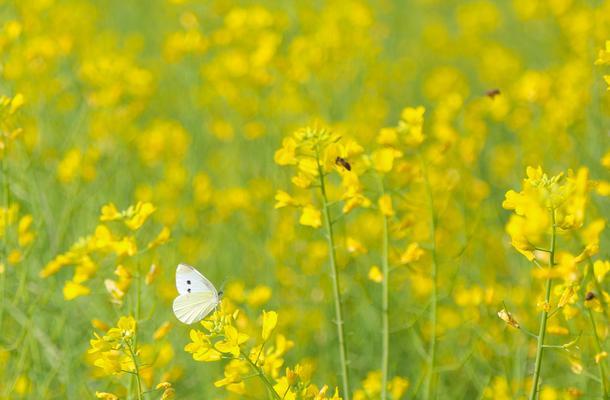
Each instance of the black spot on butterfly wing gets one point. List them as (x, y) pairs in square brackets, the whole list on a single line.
[(188, 290), (188, 282)]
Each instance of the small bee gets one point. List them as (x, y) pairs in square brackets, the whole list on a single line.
[(343, 162), (492, 93), (589, 296)]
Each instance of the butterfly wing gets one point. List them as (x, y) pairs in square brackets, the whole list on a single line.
[(189, 280), (193, 307), (197, 296)]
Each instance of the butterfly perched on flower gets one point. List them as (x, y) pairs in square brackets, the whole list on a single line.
[(197, 296)]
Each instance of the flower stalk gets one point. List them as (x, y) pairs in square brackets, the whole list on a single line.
[(133, 346), (334, 274), (434, 295), (601, 364), (136, 368), (385, 329), (261, 375), (545, 313), (598, 287), (6, 200)]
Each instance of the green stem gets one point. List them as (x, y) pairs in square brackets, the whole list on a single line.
[(136, 367), (544, 316), (138, 292), (262, 377), (385, 330), (601, 365), (335, 280), (4, 238), (599, 289), (135, 335), (434, 300), (286, 392)]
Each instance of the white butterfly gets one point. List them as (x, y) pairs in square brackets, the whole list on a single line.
[(197, 297)]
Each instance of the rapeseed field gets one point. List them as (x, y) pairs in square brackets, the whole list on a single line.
[(368, 199)]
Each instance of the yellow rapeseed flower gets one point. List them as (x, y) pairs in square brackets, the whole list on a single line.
[(160, 239), (383, 159), (110, 213), (397, 387), (385, 205), (232, 341), (136, 217), (168, 394), (73, 290), (311, 216), (411, 254), (286, 155), (162, 331), (375, 274), (600, 269), (354, 246), (269, 323), (284, 199), (201, 347), (106, 396)]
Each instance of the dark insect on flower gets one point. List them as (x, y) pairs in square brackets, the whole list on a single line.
[(589, 296), (343, 162), (492, 93)]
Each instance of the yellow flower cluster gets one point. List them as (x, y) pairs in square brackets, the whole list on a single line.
[(224, 337), (115, 352), (604, 59), (372, 384), (9, 126), (547, 209), (408, 272), (17, 234), (78, 164), (88, 252), (316, 152), (394, 140), (118, 352), (544, 201)]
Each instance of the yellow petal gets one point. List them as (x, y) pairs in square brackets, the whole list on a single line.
[(411, 254), (73, 290), (375, 274), (269, 323), (162, 331), (383, 159), (385, 205), (311, 216)]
